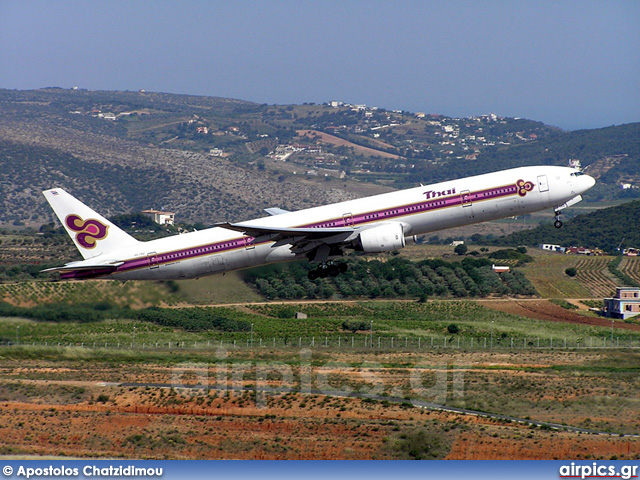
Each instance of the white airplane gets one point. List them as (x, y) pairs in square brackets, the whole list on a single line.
[(381, 223)]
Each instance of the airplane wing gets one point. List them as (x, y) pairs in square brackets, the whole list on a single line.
[(276, 211), (292, 233), (301, 240)]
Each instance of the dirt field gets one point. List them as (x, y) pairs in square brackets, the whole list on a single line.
[(78, 408), (339, 142), (544, 310)]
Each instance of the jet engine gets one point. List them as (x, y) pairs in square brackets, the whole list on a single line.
[(385, 238)]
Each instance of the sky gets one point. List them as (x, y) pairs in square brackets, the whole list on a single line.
[(572, 64)]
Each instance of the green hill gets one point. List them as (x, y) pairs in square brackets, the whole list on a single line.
[(603, 229), (212, 159)]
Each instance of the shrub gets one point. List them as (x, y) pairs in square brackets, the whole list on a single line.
[(460, 249), (572, 272), (355, 325)]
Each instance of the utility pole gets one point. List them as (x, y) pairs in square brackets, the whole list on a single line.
[(372, 333), (491, 344), (18, 335), (612, 331), (252, 335)]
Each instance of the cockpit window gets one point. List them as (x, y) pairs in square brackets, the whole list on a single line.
[(577, 174)]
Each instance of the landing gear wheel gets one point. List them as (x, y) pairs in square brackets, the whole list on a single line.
[(343, 267), (558, 222), (312, 275), (323, 272)]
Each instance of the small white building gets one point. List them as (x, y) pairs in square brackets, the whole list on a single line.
[(552, 247), (500, 268), (163, 218)]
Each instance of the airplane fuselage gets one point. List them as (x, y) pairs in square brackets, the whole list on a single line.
[(413, 211)]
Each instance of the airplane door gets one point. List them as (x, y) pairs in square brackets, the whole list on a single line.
[(348, 219), (248, 245), (465, 196), (543, 183), (467, 205), (153, 260)]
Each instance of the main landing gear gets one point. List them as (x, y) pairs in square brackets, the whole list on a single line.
[(325, 270), (558, 222)]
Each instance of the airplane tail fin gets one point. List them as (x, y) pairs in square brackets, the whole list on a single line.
[(92, 234)]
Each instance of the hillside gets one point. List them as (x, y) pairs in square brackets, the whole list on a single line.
[(603, 229), (212, 159)]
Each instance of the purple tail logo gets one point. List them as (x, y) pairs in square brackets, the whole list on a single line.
[(88, 231), (524, 187)]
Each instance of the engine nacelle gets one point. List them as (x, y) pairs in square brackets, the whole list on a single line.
[(385, 238)]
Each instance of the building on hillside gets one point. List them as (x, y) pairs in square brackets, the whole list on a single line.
[(552, 247), (624, 304), (163, 218), (500, 268), (583, 251)]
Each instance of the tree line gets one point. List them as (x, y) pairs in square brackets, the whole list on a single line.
[(395, 278)]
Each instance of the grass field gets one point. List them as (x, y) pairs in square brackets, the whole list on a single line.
[(631, 267), (407, 322), (134, 294), (547, 275)]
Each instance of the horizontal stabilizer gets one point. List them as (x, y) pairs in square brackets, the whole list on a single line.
[(81, 270), (79, 266)]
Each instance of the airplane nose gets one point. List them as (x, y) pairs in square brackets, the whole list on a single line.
[(586, 182)]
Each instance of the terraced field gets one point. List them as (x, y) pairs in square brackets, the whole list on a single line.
[(595, 276), (133, 294), (631, 267)]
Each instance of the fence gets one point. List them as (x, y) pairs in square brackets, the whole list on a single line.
[(362, 342)]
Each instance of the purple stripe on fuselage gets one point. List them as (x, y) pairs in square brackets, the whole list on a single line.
[(347, 221)]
